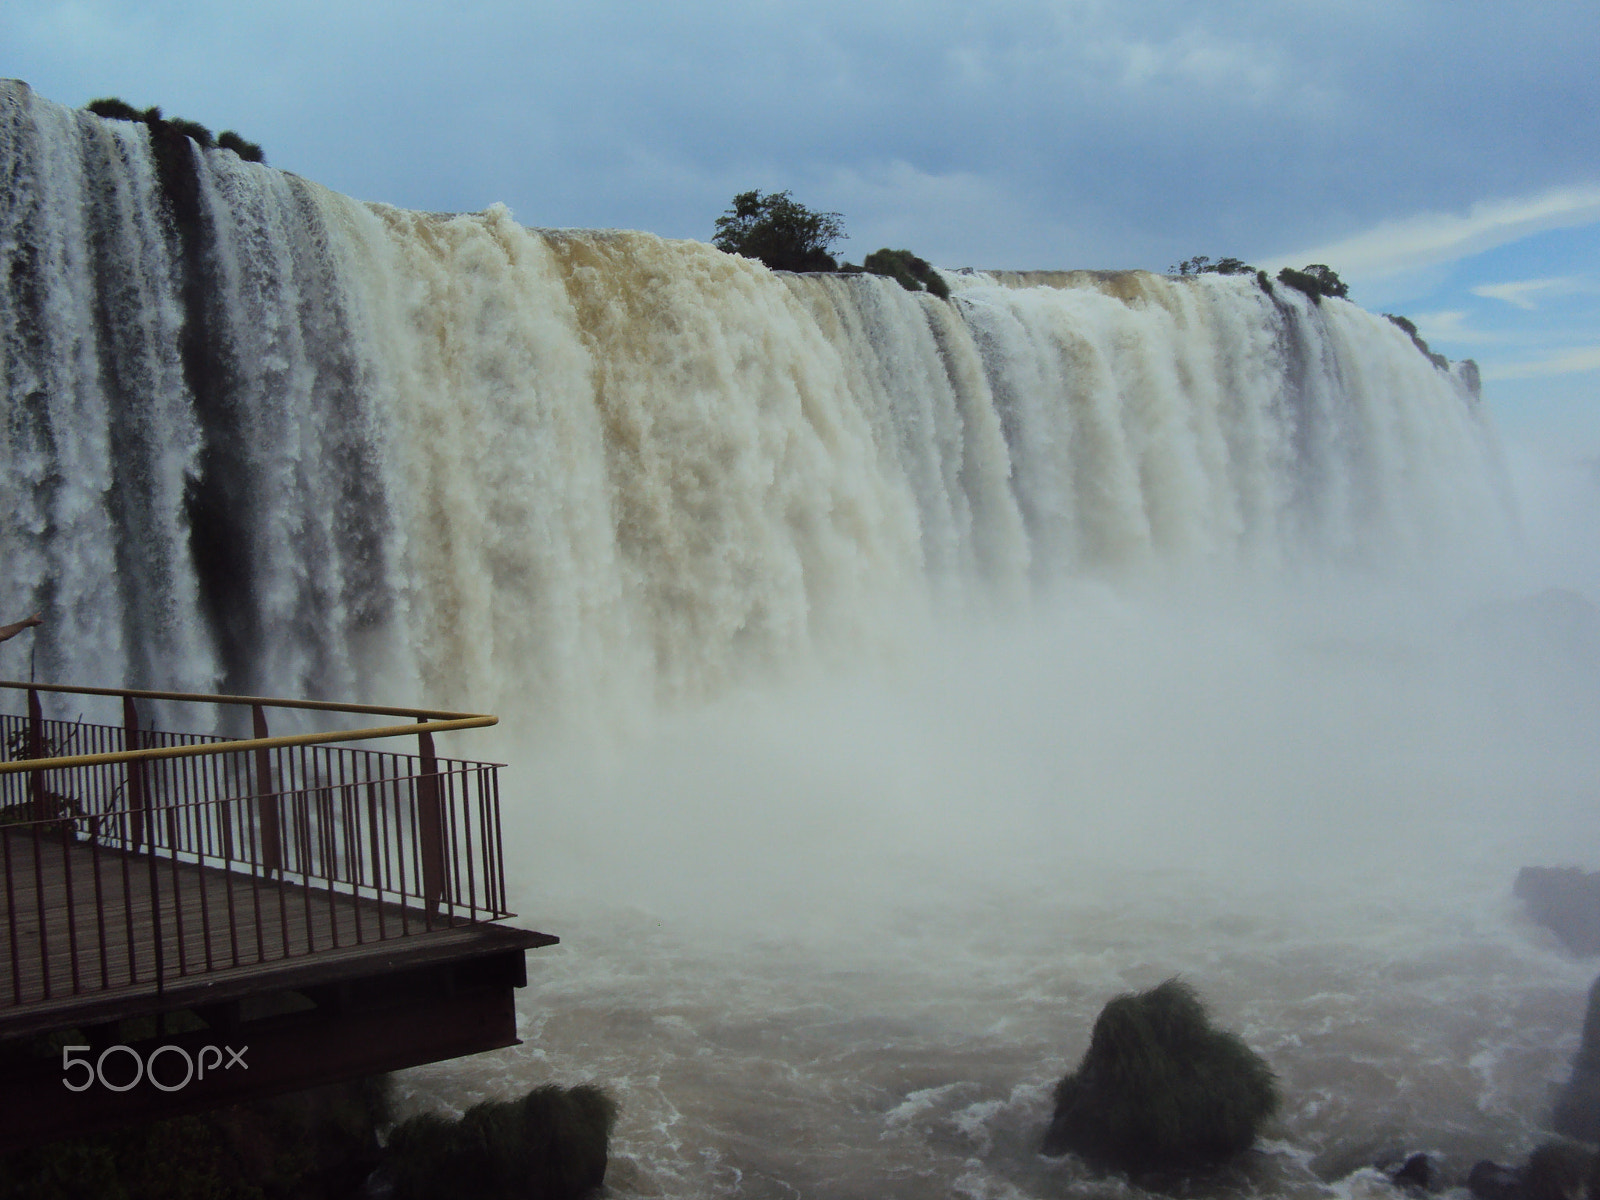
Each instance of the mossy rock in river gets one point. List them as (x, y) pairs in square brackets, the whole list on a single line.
[(550, 1145), (1159, 1087)]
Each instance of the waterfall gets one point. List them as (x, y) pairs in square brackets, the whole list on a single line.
[(260, 437)]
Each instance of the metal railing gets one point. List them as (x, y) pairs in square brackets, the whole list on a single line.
[(136, 856)]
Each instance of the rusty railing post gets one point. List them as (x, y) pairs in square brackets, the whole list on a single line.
[(430, 825), (36, 750), (138, 801), (267, 814)]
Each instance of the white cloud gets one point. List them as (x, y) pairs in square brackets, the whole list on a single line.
[(1566, 362), (1446, 326), (1428, 239), (1195, 62), (954, 219), (1521, 293), (1450, 325)]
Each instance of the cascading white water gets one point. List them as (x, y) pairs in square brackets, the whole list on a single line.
[(826, 929), (298, 444)]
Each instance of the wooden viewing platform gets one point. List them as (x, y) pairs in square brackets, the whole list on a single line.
[(197, 920)]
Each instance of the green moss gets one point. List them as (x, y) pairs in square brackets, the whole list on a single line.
[(1410, 329), (249, 151), (193, 129), (1159, 1087), (113, 109)]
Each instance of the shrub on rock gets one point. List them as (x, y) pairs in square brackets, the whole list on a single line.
[(780, 231), (249, 151), (111, 108), (1160, 1087), (550, 1145), (1317, 280), (905, 268)]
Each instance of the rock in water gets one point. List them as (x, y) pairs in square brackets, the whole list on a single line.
[(1160, 1087), (1577, 1112), (1491, 1181), (1566, 901), (1415, 1175), (1557, 1171), (550, 1145)]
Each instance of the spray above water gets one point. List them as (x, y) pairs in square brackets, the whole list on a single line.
[(890, 681)]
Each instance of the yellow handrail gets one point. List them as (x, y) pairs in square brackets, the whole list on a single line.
[(428, 721)]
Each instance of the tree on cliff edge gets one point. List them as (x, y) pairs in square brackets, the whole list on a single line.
[(782, 233)]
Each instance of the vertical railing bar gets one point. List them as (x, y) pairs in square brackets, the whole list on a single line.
[(280, 885), (302, 804), (472, 816), (127, 912), (202, 881), (218, 769), (253, 833), (491, 834), (159, 951), (349, 821), (267, 816), (225, 809), (485, 838), (404, 848), (38, 889), (309, 847), (333, 909), (36, 750), (315, 833), (72, 905), (490, 840), (452, 843), (418, 876), (499, 841), (377, 849), (100, 914), (177, 894), (393, 870), (429, 836), (466, 837), (350, 794), (387, 816), (194, 835), (11, 919)]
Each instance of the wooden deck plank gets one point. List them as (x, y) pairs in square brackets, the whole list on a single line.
[(247, 923)]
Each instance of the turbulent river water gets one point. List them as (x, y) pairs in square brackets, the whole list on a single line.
[(887, 682)]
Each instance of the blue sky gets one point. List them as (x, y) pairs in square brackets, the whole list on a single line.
[(1443, 155)]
